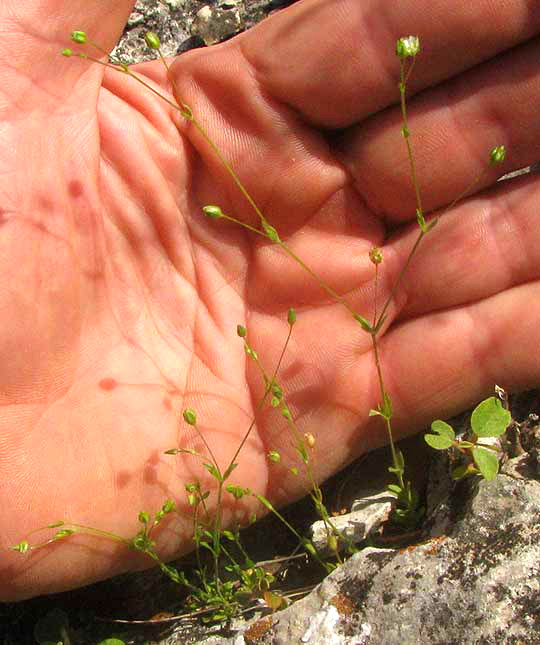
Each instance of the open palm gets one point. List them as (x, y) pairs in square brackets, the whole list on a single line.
[(119, 300)]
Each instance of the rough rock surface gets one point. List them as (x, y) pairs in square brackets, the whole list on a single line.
[(474, 580), (187, 24)]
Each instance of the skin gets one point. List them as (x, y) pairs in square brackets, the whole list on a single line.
[(119, 300)]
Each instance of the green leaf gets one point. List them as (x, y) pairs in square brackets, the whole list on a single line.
[(213, 471), (51, 627), (387, 406), (394, 489), (443, 438), (384, 410), (271, 232), (431, 225), (487, 462), (490, 418), (363, 323), (229, 470), (379, 324), (112, 641), (421, 219)]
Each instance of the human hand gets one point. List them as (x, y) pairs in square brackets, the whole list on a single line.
[(119, 301)]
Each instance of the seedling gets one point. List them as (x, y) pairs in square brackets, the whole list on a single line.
[(225, 596), (489, 419)]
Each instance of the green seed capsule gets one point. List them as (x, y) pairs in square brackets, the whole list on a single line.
[(79, 37), (497, 155), (291, 317), (375, 255), (241, 331), (190, 417), (152, 40), (212, 211)]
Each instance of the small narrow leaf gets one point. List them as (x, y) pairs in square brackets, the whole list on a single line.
[(271, 232), (363, 323)]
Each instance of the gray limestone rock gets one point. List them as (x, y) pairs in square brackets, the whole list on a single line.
[(186, 24), (474, 579)]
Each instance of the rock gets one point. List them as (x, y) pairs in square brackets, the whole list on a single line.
[(186, 24), (367, 514), (214, 24), (474, 579)]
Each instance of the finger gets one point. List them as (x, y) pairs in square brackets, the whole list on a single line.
[(453, 129), (442, 363), (337, 75), (486, 246), (34, 33)]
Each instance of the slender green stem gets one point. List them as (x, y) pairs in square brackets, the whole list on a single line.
[(401, 275), (375, 295), (321, 282), (406, 134), (264, 397)]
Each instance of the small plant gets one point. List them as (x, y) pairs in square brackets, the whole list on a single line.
[(489, 420), (223, 585)]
